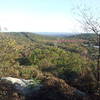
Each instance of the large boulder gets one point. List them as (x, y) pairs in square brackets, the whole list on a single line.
[(21, 86)]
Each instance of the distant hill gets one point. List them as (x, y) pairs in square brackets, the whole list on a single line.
[(84, 36), (58, 34), (35, 37), (26, 37), (92, 38)]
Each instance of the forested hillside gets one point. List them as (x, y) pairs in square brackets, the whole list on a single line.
[(37, 57)]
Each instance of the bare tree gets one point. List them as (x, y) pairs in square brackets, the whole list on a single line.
[(90, 23)]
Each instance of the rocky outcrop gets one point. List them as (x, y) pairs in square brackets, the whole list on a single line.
[(21, 86), (52, 88)]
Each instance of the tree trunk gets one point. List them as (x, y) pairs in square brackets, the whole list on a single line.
[(98, 64)]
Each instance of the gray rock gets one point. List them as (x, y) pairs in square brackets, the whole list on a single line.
[(22, 86)]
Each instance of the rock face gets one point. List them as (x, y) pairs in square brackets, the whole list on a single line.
[(22, 86)]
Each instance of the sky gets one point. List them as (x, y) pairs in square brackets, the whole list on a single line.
[(41, 15)]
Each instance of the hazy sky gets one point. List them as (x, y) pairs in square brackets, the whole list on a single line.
[(40, 15)]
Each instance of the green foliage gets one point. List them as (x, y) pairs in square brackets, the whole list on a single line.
[(26, 55), (8, 51), (35, 82), (57, 60)]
